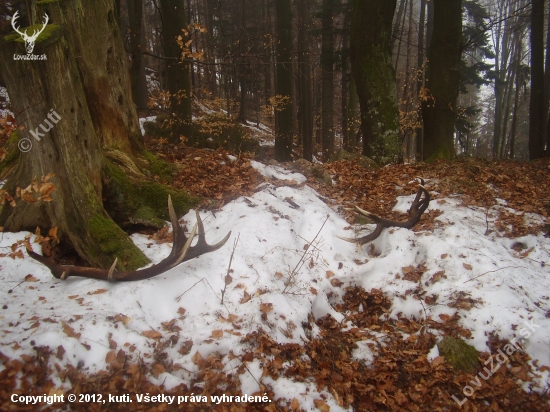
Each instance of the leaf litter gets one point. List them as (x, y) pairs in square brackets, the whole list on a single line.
[(361, 338)]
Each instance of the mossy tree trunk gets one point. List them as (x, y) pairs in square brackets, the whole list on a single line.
[(370, 51), (85, 82), (444, 56)]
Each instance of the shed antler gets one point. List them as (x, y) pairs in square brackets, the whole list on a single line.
[(181, 251), (418, 207)]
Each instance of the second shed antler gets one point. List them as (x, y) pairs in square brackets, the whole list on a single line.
[(181, 251), (419, 206)]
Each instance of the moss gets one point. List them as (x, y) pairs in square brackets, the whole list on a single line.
[(12, 156), (42, 2), (114, 242), (146, 216), (51, 33), (159, 167), (441, 152), (459, 354), (344, 155), (128, 200)]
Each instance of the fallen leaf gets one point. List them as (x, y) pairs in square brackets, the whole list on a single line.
[(266, 307), (69, 331)]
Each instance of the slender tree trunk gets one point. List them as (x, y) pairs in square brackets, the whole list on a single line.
[(345, 81), (440, 110), (371, 64), (536, 103), (242, 67), (283, 113), (177, 72), (421, 73), (304, 80), (327, 78), (137, 67)]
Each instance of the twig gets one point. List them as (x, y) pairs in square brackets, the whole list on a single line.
[(496, 270), (302, 260), (227, 279)]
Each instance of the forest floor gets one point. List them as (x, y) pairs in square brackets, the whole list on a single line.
[(359, 334)]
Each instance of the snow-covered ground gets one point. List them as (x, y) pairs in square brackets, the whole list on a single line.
[(272, 227)]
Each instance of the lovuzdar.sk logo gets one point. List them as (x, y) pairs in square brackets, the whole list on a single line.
[(29, 40)]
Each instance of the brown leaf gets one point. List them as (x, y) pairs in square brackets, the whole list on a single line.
[(197, 358), (69, 331), (122, 318), (152, 334), (157, 369), (330, 274), (444, 317), (279, 275), (266, 307), (438, 361), (313, 290), (246, 297), (30, 278), (228, 279), (186, 347), (181, 311), (467, 266), (110, 357), (336, 282), (217, 334), (46, 189), (97, 292), (53, 233), (321, 405)]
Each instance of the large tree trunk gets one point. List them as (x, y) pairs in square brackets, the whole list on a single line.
[(284, 127), (439, 110), (536, 103), (374, 75), (177, 71), (80, 118)]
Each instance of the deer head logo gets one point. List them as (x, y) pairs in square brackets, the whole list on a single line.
[(29, 40)]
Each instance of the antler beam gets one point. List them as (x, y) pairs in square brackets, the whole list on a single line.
[(182, 251), (416, 210)]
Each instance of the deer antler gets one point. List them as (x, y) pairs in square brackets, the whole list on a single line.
[(418, 207), (13, 19), (182, 251)]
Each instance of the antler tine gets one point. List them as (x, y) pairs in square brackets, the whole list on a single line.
[(13, 19), (181, 251), (110, 277), (416, 210)]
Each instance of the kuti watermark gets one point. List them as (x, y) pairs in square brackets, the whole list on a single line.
[(29, 40), (501, 359), (26, 144)]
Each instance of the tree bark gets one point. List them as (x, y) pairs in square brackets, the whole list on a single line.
[(421, 73), (177, 71), (137, 66), (304, 81), (372, 69), (283, 112), (79, 116), (327, 78), (439, 110), (536, 102)]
